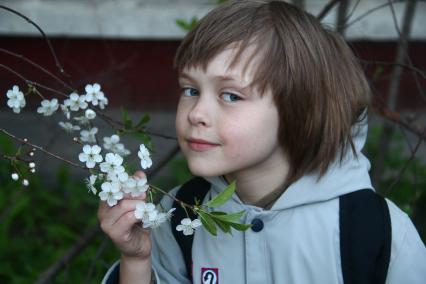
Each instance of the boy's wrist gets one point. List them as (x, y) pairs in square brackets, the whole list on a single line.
[(136, 270)]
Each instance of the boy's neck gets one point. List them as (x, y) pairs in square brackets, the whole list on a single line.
[(262, 186)]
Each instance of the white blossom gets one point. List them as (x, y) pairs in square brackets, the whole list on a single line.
[(68, 127), (161, 218), (66, 111), (90, 155), (146, 212), (188, 226), (144, 155), (47, 107), (76, 102), (31, 165), (90, 114), (112, 164), (16, 99), (89, 135), (95, 95), (112, 144), (119, 149), (90, 183), (135, 186), (82, 120), (15, 176), (103, 102), (25, 182), (110, 193), (118, 177)]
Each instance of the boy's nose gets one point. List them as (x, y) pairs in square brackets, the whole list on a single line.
[(198, 115)]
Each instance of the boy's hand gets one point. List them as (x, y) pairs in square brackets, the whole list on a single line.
[(121, 225)]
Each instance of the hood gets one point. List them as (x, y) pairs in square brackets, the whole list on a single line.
[(351, 174)]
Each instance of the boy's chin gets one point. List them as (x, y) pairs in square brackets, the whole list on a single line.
[(201, 171)]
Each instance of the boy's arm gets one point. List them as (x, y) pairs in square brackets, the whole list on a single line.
[(134, 270)]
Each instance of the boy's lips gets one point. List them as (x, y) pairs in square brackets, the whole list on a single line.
[(200, 145)]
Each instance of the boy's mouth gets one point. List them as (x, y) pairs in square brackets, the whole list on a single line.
[(200, 145)]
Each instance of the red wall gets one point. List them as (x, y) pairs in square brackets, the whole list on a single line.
[(139, 74)]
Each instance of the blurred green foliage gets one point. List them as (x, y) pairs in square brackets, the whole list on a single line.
[(39, 223), (407, 190)]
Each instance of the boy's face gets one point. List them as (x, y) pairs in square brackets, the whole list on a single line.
[(224, 127)]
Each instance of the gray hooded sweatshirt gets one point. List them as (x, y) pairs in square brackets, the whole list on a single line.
[(299, 241)]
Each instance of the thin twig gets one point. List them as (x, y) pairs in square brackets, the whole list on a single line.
[(99, 252), (404, 168), (385, 63), (32, 82), (360, 17), (396, 117), (37, 66), (41, 149), (119, 126), (411, 9), (327, 9), (350, 14), (58, 64)]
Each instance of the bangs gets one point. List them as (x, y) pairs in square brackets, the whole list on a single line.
[(238, 26)]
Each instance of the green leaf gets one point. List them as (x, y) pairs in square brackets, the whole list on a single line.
[(233, 217), (144, 139), (222, 197), (240, 227), (6, 144), (187, 25), (126, 119), (224, 226), (144, 120), (208, 223)]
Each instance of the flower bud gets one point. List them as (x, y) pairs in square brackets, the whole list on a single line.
[(31, 164), (25, 182), (32, 170), (15, 176), (90, 114), (31, 154)]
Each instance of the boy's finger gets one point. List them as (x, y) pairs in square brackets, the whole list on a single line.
[(142, 196), (140, 174), (112, 214), (124, 226)]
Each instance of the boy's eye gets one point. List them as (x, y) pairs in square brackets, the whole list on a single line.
[(229, 97), (189, 92)]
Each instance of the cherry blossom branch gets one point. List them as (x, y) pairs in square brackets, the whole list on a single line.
[(81, 244), (25, 141), (32, 82), (52, 51), (37, 66), (119, 126)]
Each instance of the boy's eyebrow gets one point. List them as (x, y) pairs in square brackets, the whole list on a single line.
[(184, 75)]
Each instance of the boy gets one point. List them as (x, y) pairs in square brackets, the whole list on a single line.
[(277, 103)]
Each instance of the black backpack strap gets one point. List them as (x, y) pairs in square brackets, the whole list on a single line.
[(365, 237), (194, 189)]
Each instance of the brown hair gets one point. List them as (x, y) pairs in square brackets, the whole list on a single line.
[(318, 86)]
